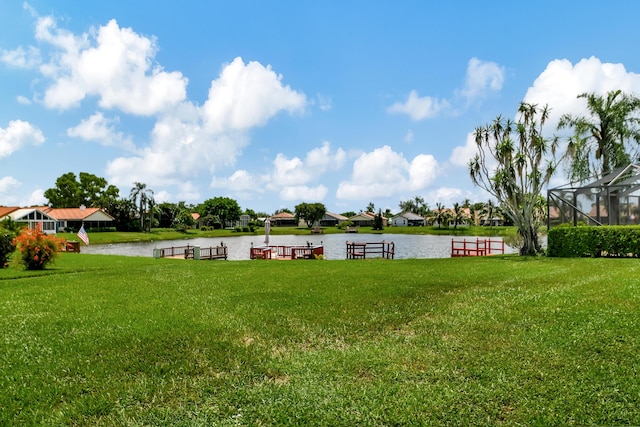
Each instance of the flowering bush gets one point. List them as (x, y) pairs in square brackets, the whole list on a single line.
[(36, 248)]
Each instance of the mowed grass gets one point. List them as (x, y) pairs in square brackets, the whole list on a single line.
[(109, 340)]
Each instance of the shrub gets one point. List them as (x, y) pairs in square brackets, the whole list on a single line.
[(37, 249), (6, 247), (345, 224), (611, 241)]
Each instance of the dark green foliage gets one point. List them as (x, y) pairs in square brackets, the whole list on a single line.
[(377, 221), (183, 221), (345, 224), (6, 247), (604, 139), (90, 190), (9, 229), (612, 241), (226, 210), (310, 212)]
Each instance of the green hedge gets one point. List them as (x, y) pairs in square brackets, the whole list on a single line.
[(612, 241)]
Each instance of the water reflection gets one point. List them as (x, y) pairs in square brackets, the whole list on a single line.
[(406, 246)]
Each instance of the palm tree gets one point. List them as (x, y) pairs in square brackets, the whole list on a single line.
[(459, 215), (371, 207), (441, 214), (601, 141), (140, 194), (489, 212)]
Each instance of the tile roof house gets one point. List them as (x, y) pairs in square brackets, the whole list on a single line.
[(331, 219), (365, 219), (283, 219), (52, 220), (74, 218), (33, 217)]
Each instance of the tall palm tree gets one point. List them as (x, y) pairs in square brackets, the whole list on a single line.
[(603, 140), (489, 212), (459, 215), (441, 214), (140, 195)]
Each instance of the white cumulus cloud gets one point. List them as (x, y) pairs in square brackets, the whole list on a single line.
[(247, 96), (383, 173), (462, 154), (113, 63), (7, 184), (36, 198), (419, 108), (192, 140), (18, 134), (483, 77), (99, 128), (561, 82)]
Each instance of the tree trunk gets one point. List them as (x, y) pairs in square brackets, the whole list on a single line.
[(530, 245)]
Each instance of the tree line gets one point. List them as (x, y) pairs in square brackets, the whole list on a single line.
[(513, 163)]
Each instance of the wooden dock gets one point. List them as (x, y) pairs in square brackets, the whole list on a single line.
[(71, 246), (478, 247), (287, 252), (193, 252), (362, 250)]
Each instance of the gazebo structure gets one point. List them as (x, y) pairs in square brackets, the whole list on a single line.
[(613, 199)]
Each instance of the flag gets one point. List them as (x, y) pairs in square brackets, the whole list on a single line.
[(83, 235)]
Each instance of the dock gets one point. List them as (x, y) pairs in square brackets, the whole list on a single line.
[(362, 250), (193, 252), (282, 252), (478, 247)]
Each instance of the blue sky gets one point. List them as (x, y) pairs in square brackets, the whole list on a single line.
[(277, 103)]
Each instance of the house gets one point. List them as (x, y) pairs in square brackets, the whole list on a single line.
[(283, 219), (74, 218), (365, 219), (332, 219), (407, 219), (33, 217)]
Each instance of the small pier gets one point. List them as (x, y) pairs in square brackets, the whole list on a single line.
[(71, 246), (287, 252), (362, 250), (478, 247), (193, 252)]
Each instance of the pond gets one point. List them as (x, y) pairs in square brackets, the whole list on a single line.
[(406, 245)]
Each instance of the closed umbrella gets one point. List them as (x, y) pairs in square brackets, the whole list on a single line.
[(267, 229)]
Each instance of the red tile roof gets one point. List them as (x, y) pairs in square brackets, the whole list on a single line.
[(71, 213), (6, 210)]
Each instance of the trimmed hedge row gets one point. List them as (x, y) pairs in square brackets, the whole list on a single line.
[(583, 241)]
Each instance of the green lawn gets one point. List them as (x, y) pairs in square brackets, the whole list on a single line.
[(109, 340)]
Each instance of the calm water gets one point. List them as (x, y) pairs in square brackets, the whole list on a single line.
[(406, 246)]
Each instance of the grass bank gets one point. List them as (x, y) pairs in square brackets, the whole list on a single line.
[(109, 340), (169, 234)]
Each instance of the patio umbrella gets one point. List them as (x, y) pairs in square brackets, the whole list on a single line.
[(267, 229)]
